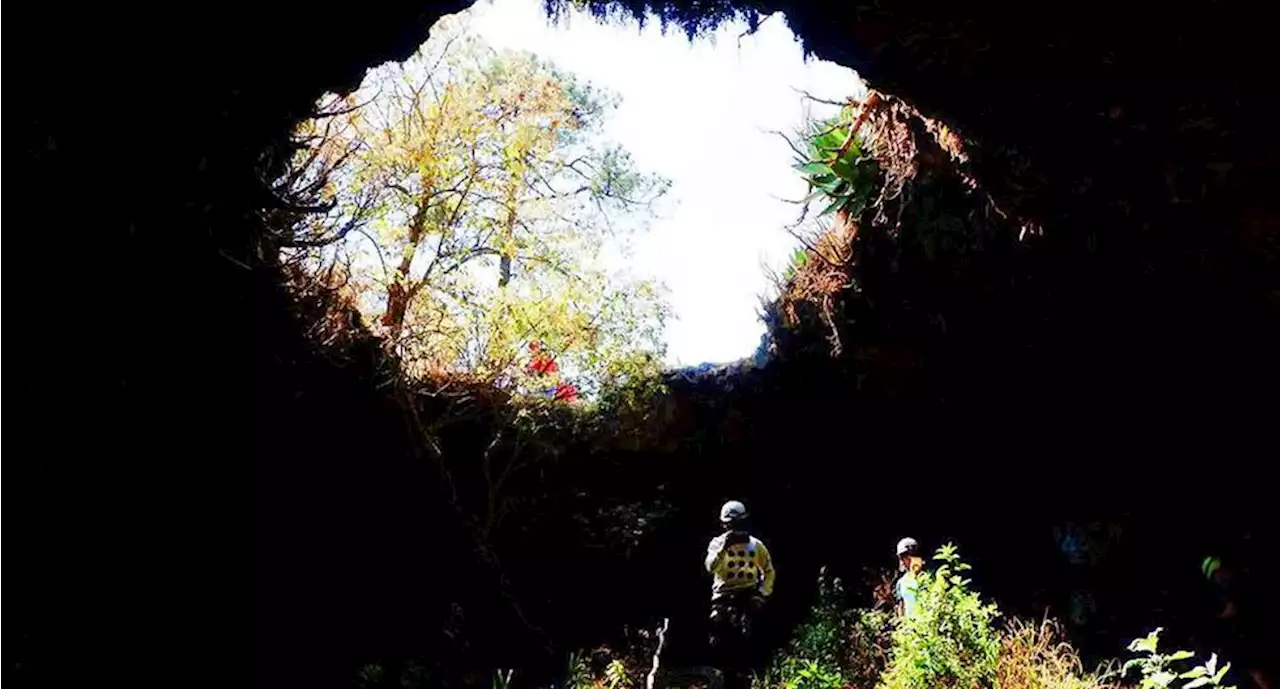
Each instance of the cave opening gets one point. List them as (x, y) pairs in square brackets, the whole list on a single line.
[(448, 199), (1114, 371), (526, 188), (922, 301)]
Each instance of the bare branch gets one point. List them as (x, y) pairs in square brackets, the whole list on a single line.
[(357, 220), (793, 202), (810, 96), (453, 219), (281, 204), (377, 249), (790, 144), (750, 31), (324, 113), (808, 245)]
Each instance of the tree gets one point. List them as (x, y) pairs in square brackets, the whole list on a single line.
[(485, 197)]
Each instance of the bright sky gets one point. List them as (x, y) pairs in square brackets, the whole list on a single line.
[(697, 113)]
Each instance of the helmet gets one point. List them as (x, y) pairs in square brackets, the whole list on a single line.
[(908, 546), (732, 511), (1210, 566)]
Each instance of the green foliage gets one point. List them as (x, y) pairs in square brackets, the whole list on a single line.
[(869, 640), (577, 671), (628, 386), (812, 659), (1157, 671), (799, 258), (834, 646), (616, 676), (370, 675), (834, 165), (821, 637), (950, 640), (478, 202), (812, 675)]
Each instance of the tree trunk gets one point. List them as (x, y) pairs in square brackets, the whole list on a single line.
[(397, 305), (508, 235), (399, 293), (504, 271)]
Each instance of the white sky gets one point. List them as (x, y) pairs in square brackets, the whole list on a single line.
[(697, 113)]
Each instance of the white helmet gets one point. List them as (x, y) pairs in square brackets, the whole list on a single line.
[(908, 546), (732, 511)]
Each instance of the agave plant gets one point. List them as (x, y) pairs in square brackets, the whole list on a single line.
[(834, 165), (799, 258)]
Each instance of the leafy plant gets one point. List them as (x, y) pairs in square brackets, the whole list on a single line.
[(812, 675), (502, 679), (577, 671), (821, 637), (835, 643), (370, 675), (615, 675), (1157, 669), (799, 258), (949, 641), (835, 166), (868, 642)]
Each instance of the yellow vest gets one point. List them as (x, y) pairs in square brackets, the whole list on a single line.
[(739, 567)]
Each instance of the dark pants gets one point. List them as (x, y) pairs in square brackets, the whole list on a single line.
[(1240, 642), (731, 621)]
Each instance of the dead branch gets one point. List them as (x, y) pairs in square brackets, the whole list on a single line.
[(810, 96), (790, 144), (324, 113), (812, 249), (869, 102), (834, 337)]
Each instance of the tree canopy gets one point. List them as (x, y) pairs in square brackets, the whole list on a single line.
[(471, 204)]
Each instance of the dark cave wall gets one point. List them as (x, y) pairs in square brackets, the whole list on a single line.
[(836, 481), (174, 416)]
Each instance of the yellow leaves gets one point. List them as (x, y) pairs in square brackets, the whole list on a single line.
[(477, 146), (509, 248)]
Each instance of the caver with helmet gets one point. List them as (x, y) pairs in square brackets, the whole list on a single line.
[(742, 580), (909, 565)]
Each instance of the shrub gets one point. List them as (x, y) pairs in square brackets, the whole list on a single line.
[(870, 639), (812, 675), (949, 641), (1034, 656), (835, 646), (821, 637), (811, 660), (1157, 669), (603, 668)]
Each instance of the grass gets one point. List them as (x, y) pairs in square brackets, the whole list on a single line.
[(1037, 656), (958, 640)]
